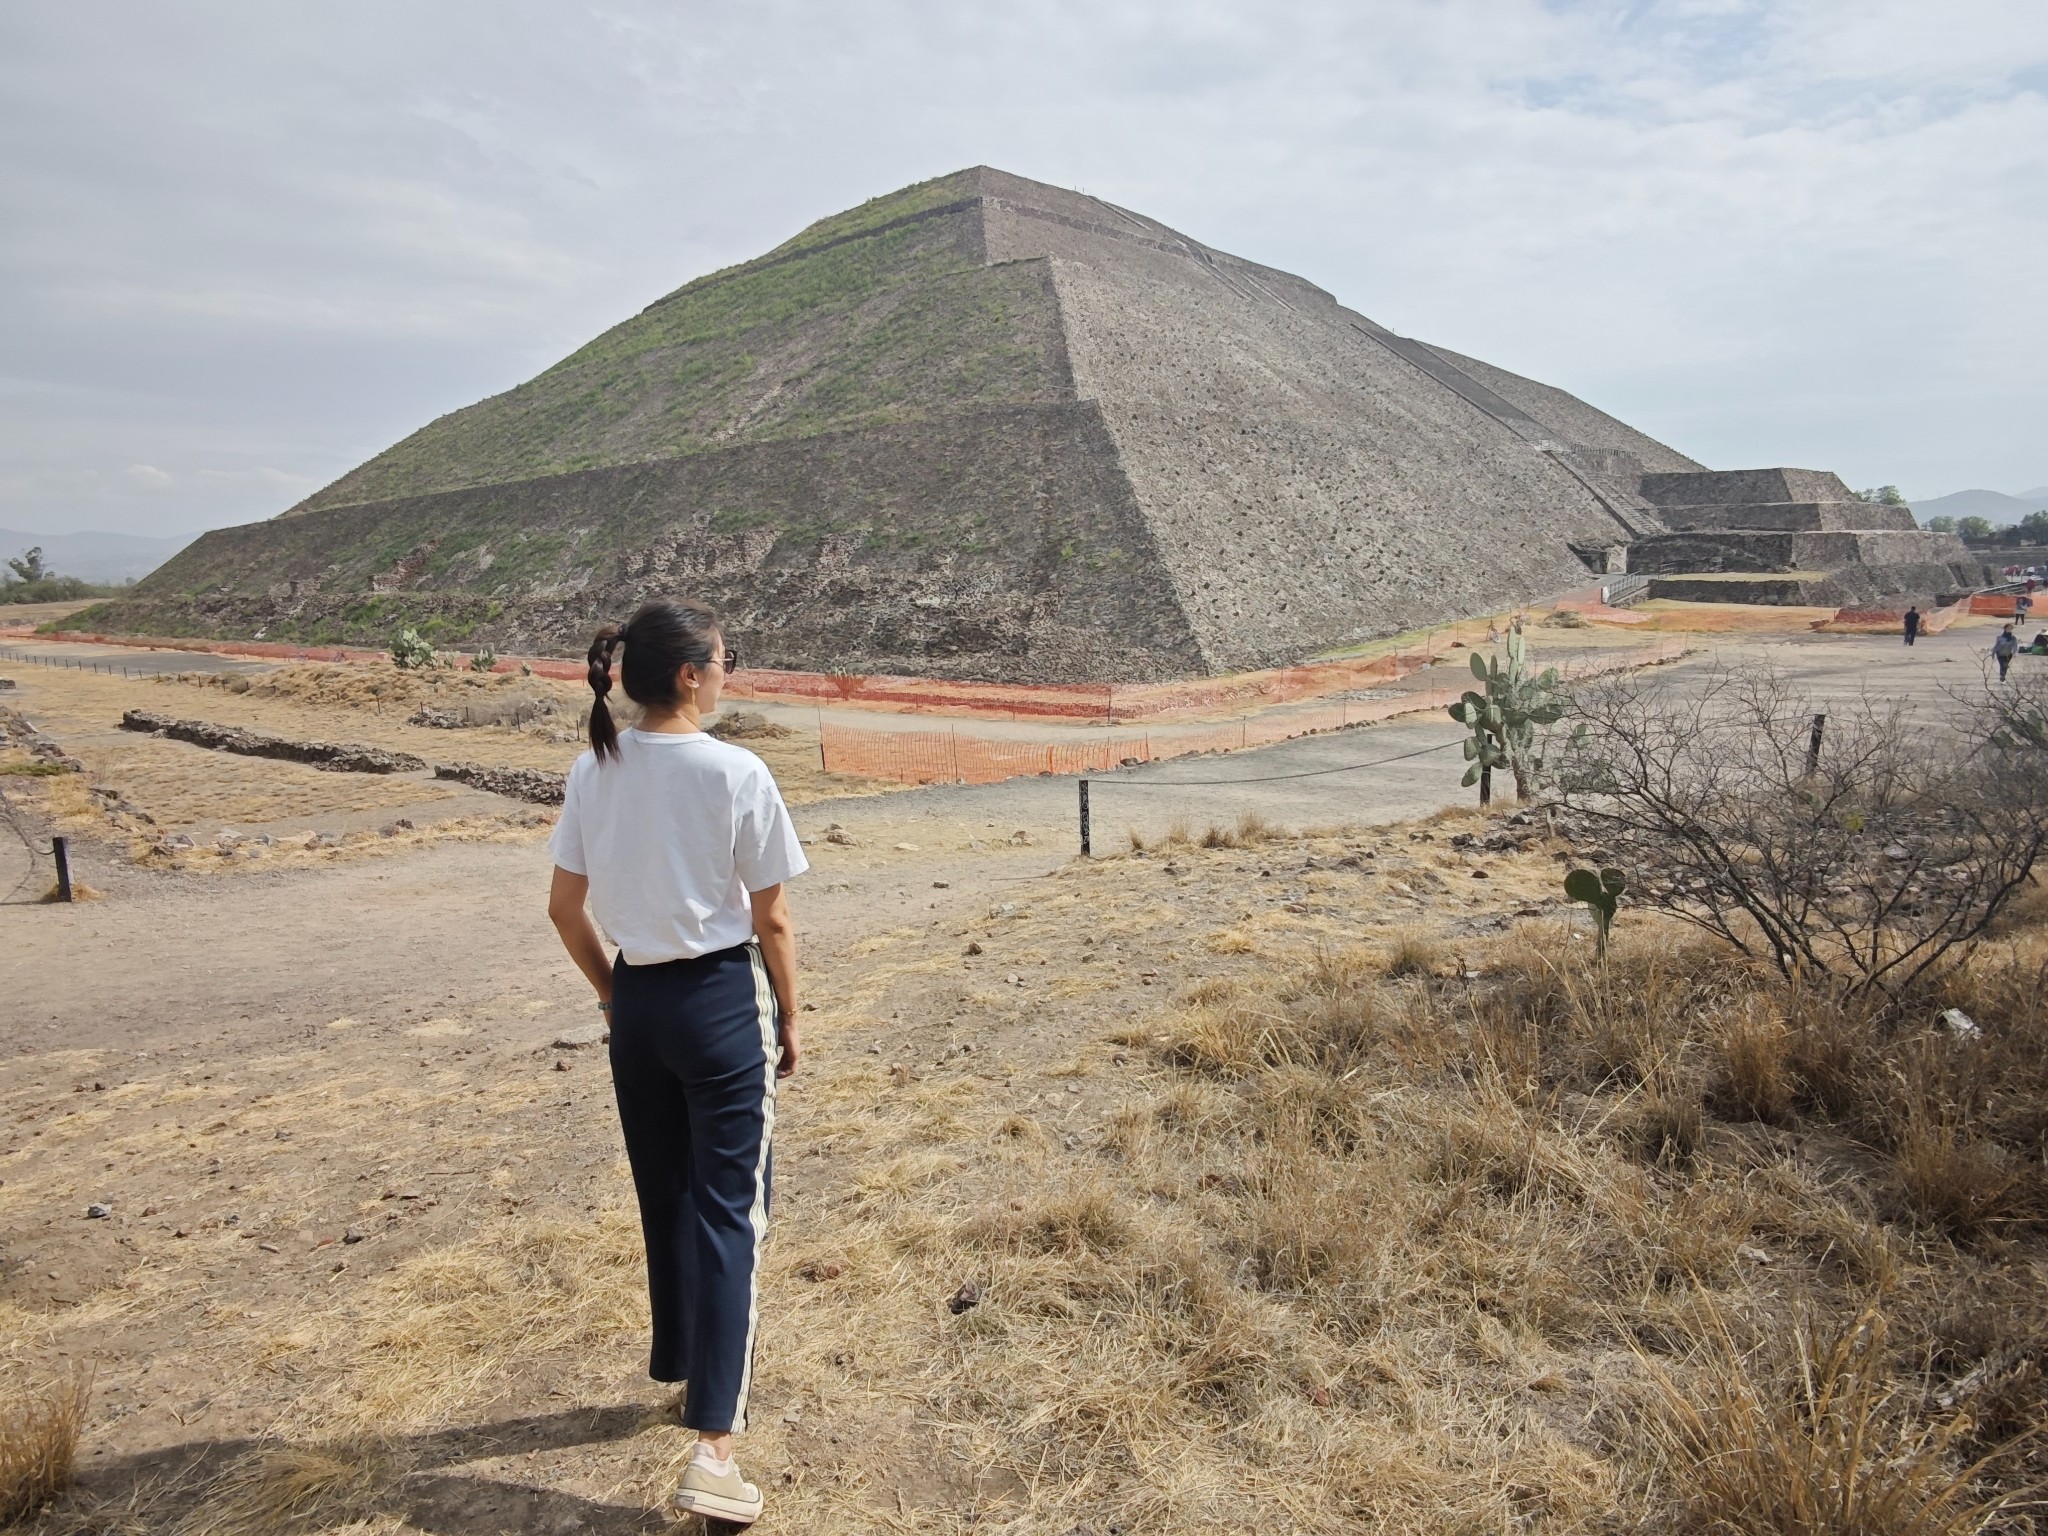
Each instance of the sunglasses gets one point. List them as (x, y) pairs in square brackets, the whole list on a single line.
[(730, 660)]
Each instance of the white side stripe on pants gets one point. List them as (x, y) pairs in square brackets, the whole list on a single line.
[(764, 1005)]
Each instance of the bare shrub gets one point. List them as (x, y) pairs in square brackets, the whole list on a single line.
[(1869, 865), (39, 1428), (1818, 1439)]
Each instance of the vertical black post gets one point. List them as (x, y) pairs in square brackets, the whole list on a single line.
[(62, 854), (1813, 744), (1085, 850)]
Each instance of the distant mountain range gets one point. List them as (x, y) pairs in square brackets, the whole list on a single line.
[(94, 557), (1998, 508)]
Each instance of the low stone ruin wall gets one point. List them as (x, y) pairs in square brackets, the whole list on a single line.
[(336, 757), (535, 784)]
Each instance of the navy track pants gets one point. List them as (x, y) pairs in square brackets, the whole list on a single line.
[(693, 1064)]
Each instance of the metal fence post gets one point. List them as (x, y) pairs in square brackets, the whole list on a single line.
[(1813, 744), (1085, 849), (62, 854)]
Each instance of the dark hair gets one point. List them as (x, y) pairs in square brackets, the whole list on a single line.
[(659, 640)]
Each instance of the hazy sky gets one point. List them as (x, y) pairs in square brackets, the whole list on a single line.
[(243, 247)]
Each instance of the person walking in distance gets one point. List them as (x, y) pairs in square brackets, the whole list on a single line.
[(2003, 649), (1912, 624), (681, 845)]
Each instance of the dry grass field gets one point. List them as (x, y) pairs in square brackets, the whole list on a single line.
[(518, 722), (1291, 1181)]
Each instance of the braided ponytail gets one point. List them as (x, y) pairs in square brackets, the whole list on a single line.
[(660, 640), (604, 734)]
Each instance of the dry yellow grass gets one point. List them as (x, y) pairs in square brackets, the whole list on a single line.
[(1813, 1435), (39, 1429), (1298, 1245)]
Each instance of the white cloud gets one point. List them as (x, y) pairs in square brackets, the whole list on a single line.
[(148, 476), (1769, 230)]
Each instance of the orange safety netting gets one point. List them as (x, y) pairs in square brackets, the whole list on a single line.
[(948, 757), (1081, 703)]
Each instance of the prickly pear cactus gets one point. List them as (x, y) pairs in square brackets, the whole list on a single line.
[(1601, 891), (1504, 718)]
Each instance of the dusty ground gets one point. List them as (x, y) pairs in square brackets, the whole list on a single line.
[(368, 1263)]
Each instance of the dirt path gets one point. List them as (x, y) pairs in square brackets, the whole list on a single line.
[(364, 1220)]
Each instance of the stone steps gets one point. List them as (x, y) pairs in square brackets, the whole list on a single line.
[(1791, 517)]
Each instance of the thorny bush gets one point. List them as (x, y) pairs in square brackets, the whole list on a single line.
[(1866, 868)]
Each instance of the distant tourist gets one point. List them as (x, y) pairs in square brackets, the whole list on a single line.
[(2039, 645), (1912, 624), (2004, 648), (2022, 606), (681, 844)]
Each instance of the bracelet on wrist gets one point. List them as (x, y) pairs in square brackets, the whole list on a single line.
[(604, 1006)]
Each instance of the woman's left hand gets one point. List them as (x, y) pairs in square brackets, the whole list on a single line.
[(785, 1036)]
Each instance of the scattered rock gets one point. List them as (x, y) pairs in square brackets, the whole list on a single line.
[(1753, 1255), (974, 947), (940, 885), (1960, 1025), (907, 848), (596, 1033), (965, 1299), (98, 1212), (561, 1063), (1896, 852), (842, 837), (352, 1235), (821, 1269), (1020, 838)]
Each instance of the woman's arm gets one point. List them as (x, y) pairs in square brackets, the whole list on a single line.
[(579, 933), (777, 934)]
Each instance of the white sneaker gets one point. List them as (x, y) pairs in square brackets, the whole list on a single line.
[(726, 1496)]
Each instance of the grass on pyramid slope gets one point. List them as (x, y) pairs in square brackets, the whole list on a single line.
[(830, 336)]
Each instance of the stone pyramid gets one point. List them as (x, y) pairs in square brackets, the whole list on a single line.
[(981, 427)]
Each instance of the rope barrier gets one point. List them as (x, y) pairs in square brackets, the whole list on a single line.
[(1275, 778)]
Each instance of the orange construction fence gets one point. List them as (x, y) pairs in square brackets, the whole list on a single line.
[(949, 757), (1080, 703)]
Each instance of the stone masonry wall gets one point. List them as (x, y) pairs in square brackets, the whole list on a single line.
[(1000, 544)]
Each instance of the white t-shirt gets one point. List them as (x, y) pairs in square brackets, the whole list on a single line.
[(673, 834)]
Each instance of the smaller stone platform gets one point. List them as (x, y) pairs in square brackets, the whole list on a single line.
[(1732, 530)]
